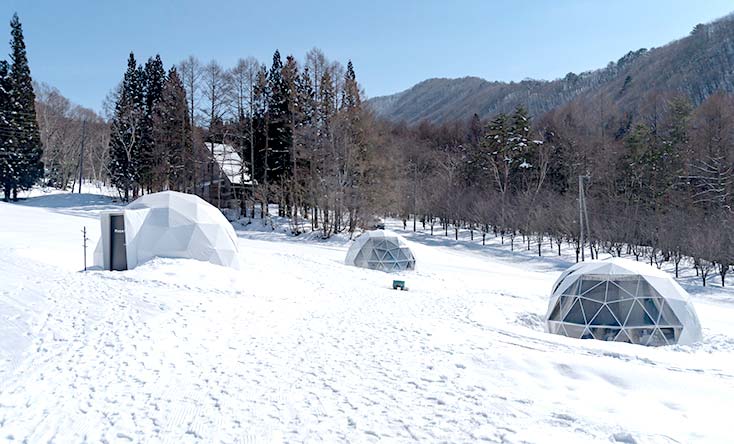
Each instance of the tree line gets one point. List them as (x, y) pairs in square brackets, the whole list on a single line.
[(661, 176), (660, 186), (306, 140), (150, 145)]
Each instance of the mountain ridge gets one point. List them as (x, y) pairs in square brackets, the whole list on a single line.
[(696, 65)]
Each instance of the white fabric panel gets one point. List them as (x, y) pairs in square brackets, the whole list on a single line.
[(134, 220), (172, 224), (100, 258)]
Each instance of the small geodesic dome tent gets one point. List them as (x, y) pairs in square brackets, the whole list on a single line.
[(167, 224), (381, 250), (624, 301)]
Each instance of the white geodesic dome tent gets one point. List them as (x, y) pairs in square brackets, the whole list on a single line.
[(381, 250), (170, 224), (624, 301)]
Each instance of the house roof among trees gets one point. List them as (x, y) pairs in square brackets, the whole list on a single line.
[(229, 162)]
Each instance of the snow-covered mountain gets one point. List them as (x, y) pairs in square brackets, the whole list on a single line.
[(297, 346)]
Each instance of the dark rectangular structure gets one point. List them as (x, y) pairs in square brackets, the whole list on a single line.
[(118, 249)]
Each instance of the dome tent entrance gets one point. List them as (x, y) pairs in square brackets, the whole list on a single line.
[(381, 250), (623, 301), (166, 224)]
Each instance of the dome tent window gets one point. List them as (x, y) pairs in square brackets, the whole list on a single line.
[(166, 224), (623, 301), (381, 250)]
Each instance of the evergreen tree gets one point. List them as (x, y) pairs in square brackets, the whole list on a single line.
[(173, 155), (127, 131), (6, 131), (279, 134), (498, 150), (350, 94), (306, 99), (155, 82), (519, 139), (26, 165), (152, 78)]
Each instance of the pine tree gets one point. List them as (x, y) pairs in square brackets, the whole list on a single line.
[(152, 79), (519, 138), (127, 132), (279, 136), (27, 166), (6, 131), (350, 93), (173, 156), (498, 150)]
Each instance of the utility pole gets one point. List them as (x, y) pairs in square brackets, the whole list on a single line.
[(415, 190), (81, 159), (586, 222), (583, 216)]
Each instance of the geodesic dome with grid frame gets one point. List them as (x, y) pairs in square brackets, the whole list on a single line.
[(624, 301), (381, 250)]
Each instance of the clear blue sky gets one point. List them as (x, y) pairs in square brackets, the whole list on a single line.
[(81, 47)]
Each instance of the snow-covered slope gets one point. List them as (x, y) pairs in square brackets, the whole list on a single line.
[(297, 346)]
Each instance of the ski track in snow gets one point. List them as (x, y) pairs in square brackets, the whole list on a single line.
[(299, 347)]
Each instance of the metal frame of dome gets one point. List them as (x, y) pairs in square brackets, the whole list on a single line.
[(623, 301), (381, 250)]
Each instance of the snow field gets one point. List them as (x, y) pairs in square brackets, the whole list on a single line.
[(299, 347)]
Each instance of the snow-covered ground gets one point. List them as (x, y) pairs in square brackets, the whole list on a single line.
[(297, 346)]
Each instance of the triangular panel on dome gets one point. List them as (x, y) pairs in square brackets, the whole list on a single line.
[(638, 317), (555, 327), (574, 331), (588, 285), (651, 307), (645, 290), (605, 317), (671, 334), (573, 289), (177, 218), (629, 286), (622, 337), (657, 339), (591, 308), (667, 317), (615, 292), (575, 314), (587, 334), (566, 302), (556, 312)]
